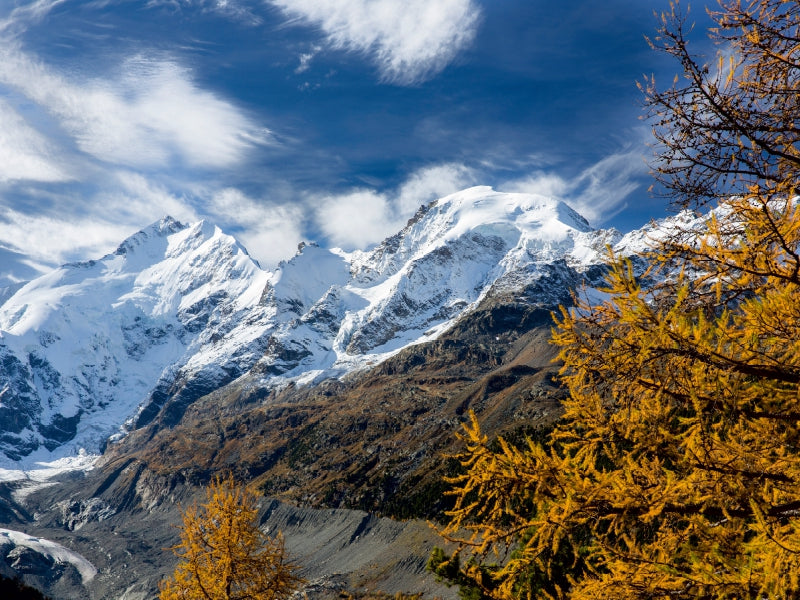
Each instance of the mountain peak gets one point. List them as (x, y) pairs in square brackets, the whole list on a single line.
[(529, 226), (160, 229), (506, 215), (168, 223), (181, 309)]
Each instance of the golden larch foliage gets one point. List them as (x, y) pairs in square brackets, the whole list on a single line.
[(225, 556), (675, 470)]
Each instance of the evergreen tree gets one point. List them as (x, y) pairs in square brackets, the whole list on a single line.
[(675, 470), (224, 556)]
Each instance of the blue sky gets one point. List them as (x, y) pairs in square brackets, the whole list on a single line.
[(324, 120)]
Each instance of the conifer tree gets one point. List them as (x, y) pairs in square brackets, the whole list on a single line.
[(223, 554), (675, 470)]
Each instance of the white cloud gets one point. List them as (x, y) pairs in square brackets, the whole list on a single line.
[(79, 229), (357, 219), (25, 14), (54, 239), (25, 154), (269, 232), (598, 193), (306, 58), (151, 115), (15, 267), (410, 40), (363, 217), (232, 9), (429, 184), (136, 200), (82, 228)]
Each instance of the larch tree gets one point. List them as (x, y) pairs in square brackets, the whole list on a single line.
[(225, 556), (675, 469)]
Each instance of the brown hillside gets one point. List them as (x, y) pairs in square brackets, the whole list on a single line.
[(379, 439)]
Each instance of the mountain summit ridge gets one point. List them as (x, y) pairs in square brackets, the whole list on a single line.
[(95, 349), (82, 346)]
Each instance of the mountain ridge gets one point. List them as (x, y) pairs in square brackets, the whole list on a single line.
[(364, 365), (179, 310)]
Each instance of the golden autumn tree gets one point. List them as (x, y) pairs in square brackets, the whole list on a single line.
[(675, 470), (225, 556)]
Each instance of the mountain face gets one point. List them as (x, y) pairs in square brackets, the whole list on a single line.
[(334, 385), (85, 345), (100, 348)]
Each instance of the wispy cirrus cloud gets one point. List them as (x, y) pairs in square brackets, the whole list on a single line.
[(151, 114), (60, 237), (306, 58), (131, 145), (409, 40), (75, 227), (238, 10), (361, 217), (26, 154), (23, 15), (598, 192)]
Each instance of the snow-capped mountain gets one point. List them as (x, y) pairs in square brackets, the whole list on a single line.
[(366, 306), (84, 345), (179, 310)]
